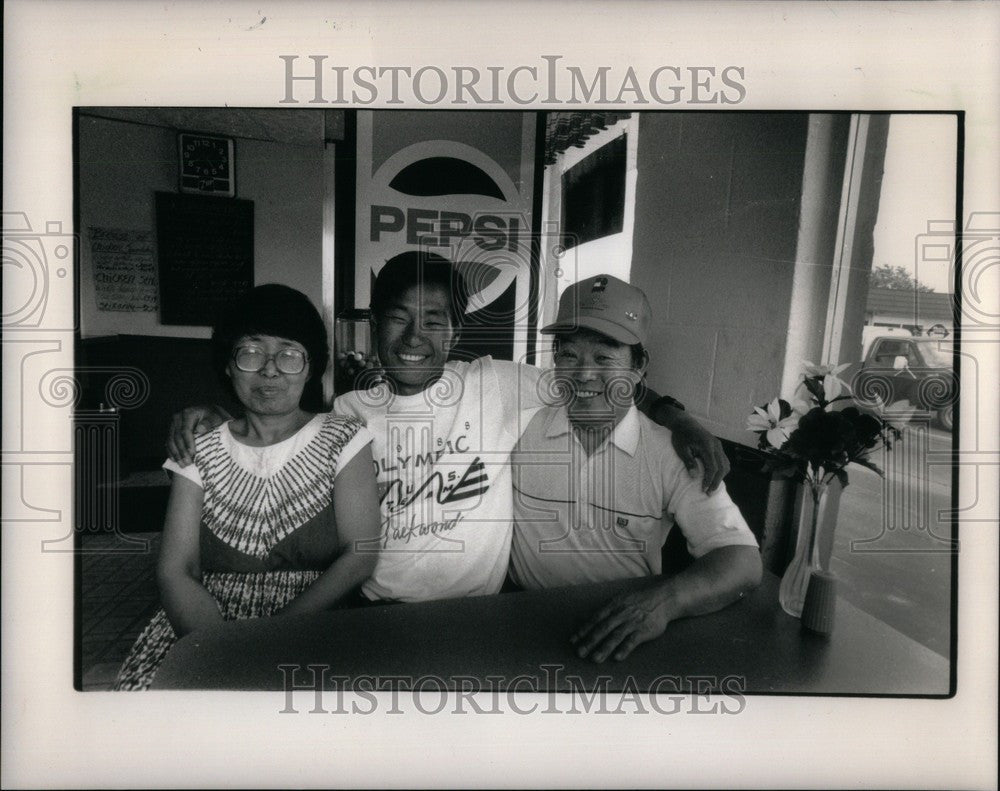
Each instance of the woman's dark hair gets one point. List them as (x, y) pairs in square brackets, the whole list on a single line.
[(283, 312), (419, 268)]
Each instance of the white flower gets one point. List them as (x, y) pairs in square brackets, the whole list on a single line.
[(799, 408), (833, 385), (822, 370), (770, 421)]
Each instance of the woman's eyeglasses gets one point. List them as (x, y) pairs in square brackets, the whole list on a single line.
[(253, 358)]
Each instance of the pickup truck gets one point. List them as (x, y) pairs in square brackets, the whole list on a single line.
[(915, 369)]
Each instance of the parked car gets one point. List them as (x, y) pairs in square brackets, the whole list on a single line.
[(918, 370), (870, 332)]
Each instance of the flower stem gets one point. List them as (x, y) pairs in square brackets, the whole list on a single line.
[(817, 493)]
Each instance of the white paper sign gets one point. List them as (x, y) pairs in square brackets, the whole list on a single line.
[(124, 270)]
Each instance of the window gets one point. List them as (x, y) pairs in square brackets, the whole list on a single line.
[(593, 204), (889, 350)]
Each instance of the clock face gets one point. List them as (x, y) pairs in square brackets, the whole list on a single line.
[(206, 164)]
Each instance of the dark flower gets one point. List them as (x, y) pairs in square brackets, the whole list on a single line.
[(823, 438), (824, 441)]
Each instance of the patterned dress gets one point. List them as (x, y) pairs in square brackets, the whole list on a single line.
[(267, 526)]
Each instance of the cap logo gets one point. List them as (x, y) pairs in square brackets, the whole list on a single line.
[(632, 315)]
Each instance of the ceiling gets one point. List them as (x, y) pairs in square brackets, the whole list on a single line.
[(294, 126)]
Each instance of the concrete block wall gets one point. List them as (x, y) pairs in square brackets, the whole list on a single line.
[(714, 247)]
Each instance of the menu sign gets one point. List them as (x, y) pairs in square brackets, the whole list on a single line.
[(124, 271)]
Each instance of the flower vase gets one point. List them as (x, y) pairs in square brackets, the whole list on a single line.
[(795, 582)]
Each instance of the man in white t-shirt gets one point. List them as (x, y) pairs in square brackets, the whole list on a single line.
[(443, 431), (598, 486)]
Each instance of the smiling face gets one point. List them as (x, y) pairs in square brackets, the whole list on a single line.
[(268, 391), (414, 335), (601, 374)]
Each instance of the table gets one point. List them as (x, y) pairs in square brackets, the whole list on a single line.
[(521, 641)]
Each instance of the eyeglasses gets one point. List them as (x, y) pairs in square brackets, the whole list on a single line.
[(253, 358)]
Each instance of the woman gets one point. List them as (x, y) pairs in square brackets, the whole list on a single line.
[(279, 514)]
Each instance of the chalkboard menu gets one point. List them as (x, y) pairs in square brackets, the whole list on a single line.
[(205, 251)]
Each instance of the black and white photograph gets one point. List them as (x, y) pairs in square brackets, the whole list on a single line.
[(524, 421), (597, 397)]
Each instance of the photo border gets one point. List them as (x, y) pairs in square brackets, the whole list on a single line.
[(53, 735)]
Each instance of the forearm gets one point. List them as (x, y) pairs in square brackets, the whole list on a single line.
[(344, 575), (711, 582), (667, 414), (189, 606), (692, 441)]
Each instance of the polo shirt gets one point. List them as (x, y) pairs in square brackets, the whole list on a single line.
[(584, 519)]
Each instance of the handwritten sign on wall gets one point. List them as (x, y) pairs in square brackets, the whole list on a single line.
[(124, 270)]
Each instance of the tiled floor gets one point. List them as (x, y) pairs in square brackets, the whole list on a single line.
[(118, 596)]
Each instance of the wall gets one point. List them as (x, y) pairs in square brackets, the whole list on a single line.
[(122, 165), (714, 247)]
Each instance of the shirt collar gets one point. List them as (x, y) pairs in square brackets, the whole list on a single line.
[(625, 436), (557, 423)]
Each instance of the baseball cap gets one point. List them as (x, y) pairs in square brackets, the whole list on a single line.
[(607, 305)]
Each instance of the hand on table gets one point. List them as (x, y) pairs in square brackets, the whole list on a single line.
[(622, 624)]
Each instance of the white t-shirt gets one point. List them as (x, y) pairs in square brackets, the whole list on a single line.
[(442, 460)]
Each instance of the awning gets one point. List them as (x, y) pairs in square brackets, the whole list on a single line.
[(570, 130)]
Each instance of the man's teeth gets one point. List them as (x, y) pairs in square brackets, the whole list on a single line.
[(587, 393), (411, 358)]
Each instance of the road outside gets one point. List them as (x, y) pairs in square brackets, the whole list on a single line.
[(892, 549)]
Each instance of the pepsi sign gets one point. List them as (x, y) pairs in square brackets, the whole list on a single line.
[(452, 199)]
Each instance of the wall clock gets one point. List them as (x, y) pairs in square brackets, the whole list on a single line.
[(207, 164)]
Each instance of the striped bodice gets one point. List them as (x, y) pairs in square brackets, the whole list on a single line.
[(252, 512)]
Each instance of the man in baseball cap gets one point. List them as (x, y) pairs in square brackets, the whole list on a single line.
[(607, 305), (597, 485), (610, 319)]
